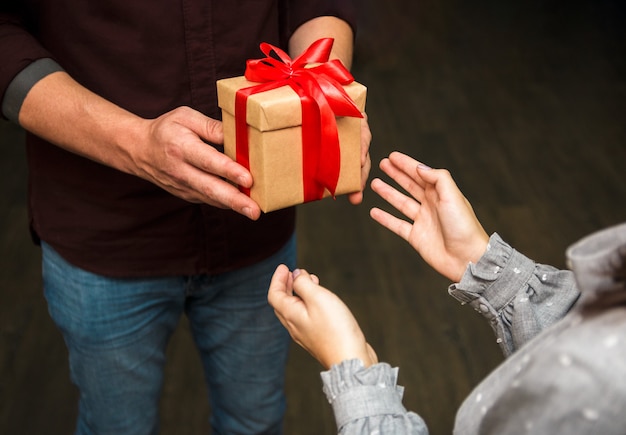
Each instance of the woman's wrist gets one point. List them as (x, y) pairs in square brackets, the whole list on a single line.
[(474, 252), (366, 355)]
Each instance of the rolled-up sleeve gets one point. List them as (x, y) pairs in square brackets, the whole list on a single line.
[(18, 47), (22, 83), (519, 297)]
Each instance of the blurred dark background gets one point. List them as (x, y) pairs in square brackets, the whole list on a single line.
[(524, 102)]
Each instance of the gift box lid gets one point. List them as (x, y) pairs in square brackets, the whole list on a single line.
[(275, 109)]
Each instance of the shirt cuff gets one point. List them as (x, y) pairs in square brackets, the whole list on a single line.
[(356, 392), (495, 279), (22, 83)]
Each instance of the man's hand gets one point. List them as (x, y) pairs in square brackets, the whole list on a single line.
[(170, 151), (341, 32), (176, 157), (366, 163)]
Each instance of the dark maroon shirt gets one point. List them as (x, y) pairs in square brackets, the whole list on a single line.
[(148, 57)]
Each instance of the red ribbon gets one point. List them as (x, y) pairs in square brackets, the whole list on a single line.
[(322, 98)]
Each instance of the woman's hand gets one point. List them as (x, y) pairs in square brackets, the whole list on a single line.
[(317, 319), (442, 226)]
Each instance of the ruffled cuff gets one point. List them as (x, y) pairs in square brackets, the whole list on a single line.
[(356, 392), (491, 285), (500, 263)]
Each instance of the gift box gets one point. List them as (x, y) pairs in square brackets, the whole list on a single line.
[(289, 146)]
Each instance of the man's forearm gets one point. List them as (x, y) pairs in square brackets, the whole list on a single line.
[(324, 27), (60, 110)]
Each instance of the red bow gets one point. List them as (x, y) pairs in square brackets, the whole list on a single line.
[(322, 97)]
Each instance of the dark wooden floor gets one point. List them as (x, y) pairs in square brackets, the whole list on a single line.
[(524, 102)]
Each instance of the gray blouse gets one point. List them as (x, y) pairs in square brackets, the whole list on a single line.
[(564, 335)]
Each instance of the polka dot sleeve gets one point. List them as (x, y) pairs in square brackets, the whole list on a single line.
[(518, 297)]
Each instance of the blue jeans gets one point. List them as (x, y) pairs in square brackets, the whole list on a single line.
[(117, 330)]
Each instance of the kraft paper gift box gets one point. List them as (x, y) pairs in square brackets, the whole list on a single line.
[(275, 144)]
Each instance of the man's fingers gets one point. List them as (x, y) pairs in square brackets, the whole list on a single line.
[(211, 161), (214, 131), (213, 190), (208, 129)]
